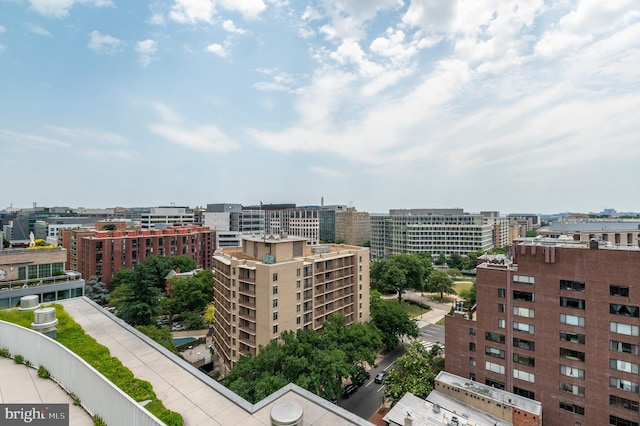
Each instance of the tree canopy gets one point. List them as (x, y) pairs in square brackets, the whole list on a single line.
[(413, 372), (440, 282), (400, 272), (96, 290), (392, 321), (316, 361)]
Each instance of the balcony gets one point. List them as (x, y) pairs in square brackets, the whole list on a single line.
[(57, 279)]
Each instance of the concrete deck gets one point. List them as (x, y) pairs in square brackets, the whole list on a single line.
[(180, 389), (20, 384)]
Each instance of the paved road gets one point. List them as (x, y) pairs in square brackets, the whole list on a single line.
[(370, 396)]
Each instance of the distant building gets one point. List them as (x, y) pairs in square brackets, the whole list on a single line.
[(103, 253), (435, 231), (352, 227), (459, 401), (164, 217), (558, 322), (272, 284), (619, 232), (37, 271)]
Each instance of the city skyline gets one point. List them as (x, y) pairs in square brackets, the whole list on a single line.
[(515, 106)]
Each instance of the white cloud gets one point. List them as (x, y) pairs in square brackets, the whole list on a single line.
[(29, 139), (35, 29), (249, 9), (229, 26), (280, 81), (192, 11), (156, 19), (219, 49), (2, 28), (104, 43), (89, 135), (60, 8), (208, 138), (165, 112), (146, 49)]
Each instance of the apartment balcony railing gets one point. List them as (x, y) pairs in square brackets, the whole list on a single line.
[(58, 279)]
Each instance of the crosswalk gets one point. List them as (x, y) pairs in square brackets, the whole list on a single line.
[(429, 345)]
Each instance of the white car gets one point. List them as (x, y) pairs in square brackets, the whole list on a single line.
[(178, 327)]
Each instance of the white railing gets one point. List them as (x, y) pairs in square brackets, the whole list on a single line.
[(96, 394)]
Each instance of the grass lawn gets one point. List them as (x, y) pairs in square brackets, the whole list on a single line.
[(412, 310), (462, 285)]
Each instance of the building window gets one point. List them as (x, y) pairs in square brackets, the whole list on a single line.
[(570, 302), (472, 361), (624, 347), (298, 272), (494, 352), (572, 337), (524, 360), (571, 407), (472, 331), (275, 316), (472, 346), (627, 367), (524, 376), (623, 384), (572, 285), (298, 320), (571, 388), (524, 296), (523, 312), (524, 327), (618, 290), (577, 373), (494, 337), (571, 354), (501, 292), (524, 344), (298, 284), (275, 303), (501, 323), (500, 308), (572, 320), (626, 329), (618, 421), (523, 279), (625, 403), (275, 329), (492, 366), (275, 289), (523, 392), (298, 308), (298, 296), (494, 383), (624, 310), (275, 276)]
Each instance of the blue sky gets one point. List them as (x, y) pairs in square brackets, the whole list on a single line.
[(509, 105)]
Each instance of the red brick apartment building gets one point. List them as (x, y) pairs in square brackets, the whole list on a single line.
[(103, 253), (557, 323)]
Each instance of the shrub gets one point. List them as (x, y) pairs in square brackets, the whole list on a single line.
[(18, 359), (4, 352), (76, 399), (27, 363), (43, 373), (98, 421)]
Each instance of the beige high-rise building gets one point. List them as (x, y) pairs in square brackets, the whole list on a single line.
[(353, 227), (278, 283)]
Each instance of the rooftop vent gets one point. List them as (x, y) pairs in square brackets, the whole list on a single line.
[(29, 303), (45, 322), (287, 413)]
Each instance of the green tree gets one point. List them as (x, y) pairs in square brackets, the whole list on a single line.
[(377, 276), (154, 270), (141, 306), (118, 295), (123, 276), (193, 320), (531, 234), (183, 262), (109, 227), (412, 372), (453, 272), (193, 293), (456, 261), (5, 242), (96, 290), (442, 259), (400, 272), (392, 321), (440, 282), (209, 315)]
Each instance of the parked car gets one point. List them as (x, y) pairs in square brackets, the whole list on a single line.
[(362, 378), (380, 377), (178, 327), (349, 390)]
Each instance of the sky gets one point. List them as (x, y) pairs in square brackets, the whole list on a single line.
[(507, 105)]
